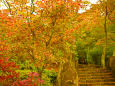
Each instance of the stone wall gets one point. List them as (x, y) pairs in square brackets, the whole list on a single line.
[(112, 64)]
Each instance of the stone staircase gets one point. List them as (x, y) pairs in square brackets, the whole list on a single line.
[(92, 75)]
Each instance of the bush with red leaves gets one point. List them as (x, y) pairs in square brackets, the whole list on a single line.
[(32, 80), (7, 70)]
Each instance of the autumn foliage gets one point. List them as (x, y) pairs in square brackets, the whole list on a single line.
[(45, 34), (7, 69)]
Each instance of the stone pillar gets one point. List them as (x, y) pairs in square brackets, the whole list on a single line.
[(112, 64), (69, 75)]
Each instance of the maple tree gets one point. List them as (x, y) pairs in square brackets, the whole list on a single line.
[(33, 36)]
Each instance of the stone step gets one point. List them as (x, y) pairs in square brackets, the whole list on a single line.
[(95, 73), (89, 65), (95, 85), (88, 75), (96, 78), (91, 75), (93, 69), (98, 83)]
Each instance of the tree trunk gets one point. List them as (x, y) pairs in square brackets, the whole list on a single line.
[(59, 80), (114, 52), (105, 47), (103, 57)]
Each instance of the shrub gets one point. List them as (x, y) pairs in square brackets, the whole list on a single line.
[(32, 80), (49, 77), (7, 70)]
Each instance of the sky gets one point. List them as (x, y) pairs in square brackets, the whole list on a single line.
[(88, 7), (2, 6), (93, 1)]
